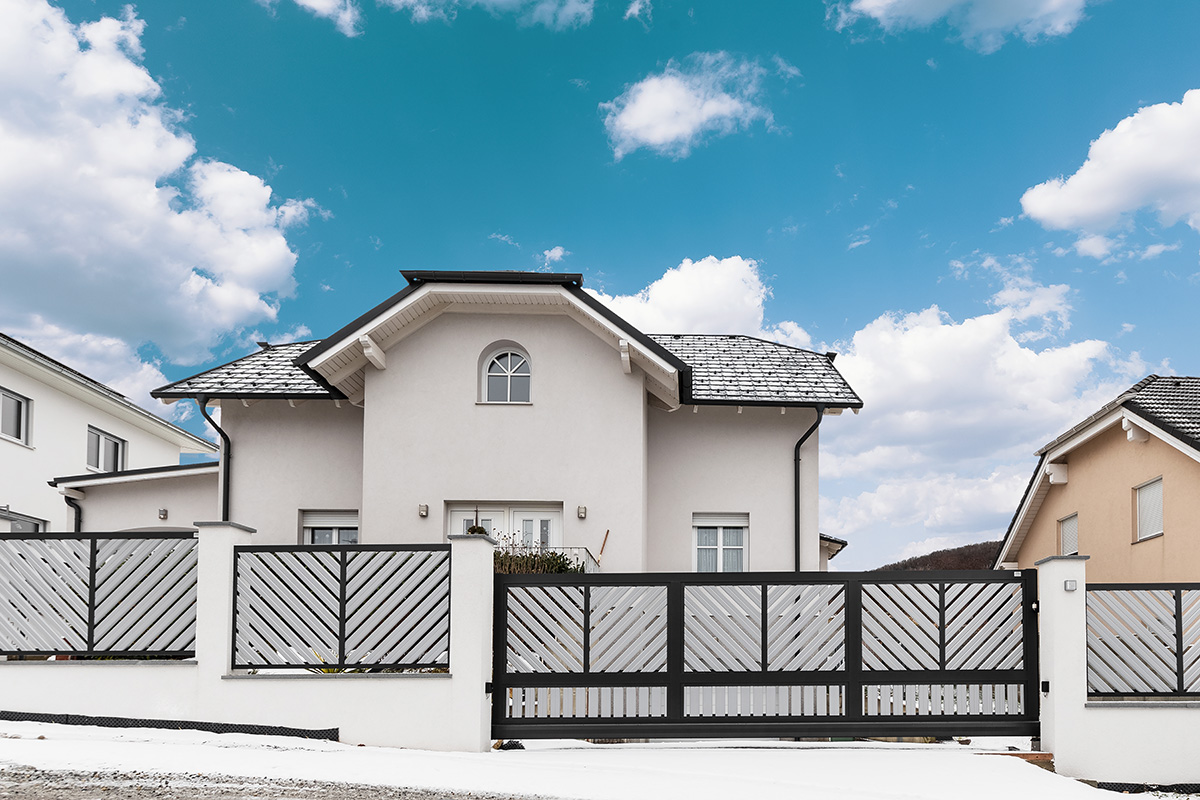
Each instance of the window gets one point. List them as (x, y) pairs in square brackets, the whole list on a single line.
[(1068, 535), (506, 378), (515, 525), (14, 417), (105, 452), (13, 522), (1149, 509), (329, 527), (721, 542)]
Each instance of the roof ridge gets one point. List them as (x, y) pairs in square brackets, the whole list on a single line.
[(258, 352)]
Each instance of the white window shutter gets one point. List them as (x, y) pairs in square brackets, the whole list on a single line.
[(1068, 533), (1150, 509), (329, 519)]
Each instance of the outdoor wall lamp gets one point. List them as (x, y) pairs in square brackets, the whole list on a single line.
[(582, 512), (422, 510), (1069, 586), (162, 513)]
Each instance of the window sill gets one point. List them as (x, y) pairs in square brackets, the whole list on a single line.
[(1150, 538), (17, 442), (489, 403)]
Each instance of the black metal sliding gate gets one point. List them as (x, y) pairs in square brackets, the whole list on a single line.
[(765, 654)]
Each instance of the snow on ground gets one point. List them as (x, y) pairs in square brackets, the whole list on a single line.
[(762, 770)]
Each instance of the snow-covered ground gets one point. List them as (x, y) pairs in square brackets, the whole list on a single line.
[(757, 770)]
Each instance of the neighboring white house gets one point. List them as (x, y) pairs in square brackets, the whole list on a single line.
[(55, 420), (518, 401)]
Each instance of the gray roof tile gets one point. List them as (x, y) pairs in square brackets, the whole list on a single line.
[(1173, 402), (742, 369), (268, 372)]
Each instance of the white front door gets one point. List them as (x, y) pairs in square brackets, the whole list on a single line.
[(523, 526)]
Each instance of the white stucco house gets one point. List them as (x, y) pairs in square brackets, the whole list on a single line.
[(518, 401), (55, 420)]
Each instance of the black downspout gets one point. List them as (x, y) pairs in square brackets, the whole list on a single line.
[(78, 513), (796, 470), (226, 456)]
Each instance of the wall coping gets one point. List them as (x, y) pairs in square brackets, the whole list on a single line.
[(454, 537), (1048, 559), (1142, 704), (339, 676), (219, 524)]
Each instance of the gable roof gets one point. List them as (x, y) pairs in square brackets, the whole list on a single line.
[(1164, 406), (743, 370), (71, 381), (700, 369), (268, 373)]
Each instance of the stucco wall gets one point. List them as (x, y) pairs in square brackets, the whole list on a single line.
[(286, 459), (719, 461), (124, 506), (580, 442), (58, 446), (1102, 475)]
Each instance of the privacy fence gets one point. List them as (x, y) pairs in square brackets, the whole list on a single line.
[(343, 607), (765, 654), (1143, 640), (98, 594)]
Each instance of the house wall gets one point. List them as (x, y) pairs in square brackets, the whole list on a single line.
[(716, 460), (57, 443), (135, 504), (580, 442), (1102, 475), (286, 459)]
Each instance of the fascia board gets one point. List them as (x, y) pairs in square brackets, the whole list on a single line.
[(349, 338), (1162, 435), (123, 409), (1030, 505), (109, 480), (1098, 427)]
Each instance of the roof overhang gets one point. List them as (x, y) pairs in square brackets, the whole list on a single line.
[(1137, 428), (134, 475), (832, 545), (73, 384), (343, 358)]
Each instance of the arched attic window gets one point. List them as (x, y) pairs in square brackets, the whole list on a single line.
[(506, 376)]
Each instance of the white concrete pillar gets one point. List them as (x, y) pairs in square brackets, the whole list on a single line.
[(1062, 623), (471, 600), (214, 603)]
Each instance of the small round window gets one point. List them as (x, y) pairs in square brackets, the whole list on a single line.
[(507, 378)]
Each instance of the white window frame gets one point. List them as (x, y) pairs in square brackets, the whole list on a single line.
[(103, 436), (334, 521), (721, 522), (486, 371), (39, 525), (505, 518), (1068, 520), (23, 407), (1137, 502)]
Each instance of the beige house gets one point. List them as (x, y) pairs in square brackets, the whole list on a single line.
[(1122, 487)]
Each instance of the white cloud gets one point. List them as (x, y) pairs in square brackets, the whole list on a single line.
[(859, 242), (784, 69), (1094, 246), (117, 230), (1148, 161), (554, 255), (345, 14), (504, 237), (554, 14), (1003, 223), (639, 9), (708, 94), (983, 24), (1156, 250), (711, 295)]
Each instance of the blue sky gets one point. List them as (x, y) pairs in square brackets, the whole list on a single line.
[(988, 208)]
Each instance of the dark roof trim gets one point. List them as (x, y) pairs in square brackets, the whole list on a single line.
[(1139, 409), (773, 403), (645, 341), (302, 361), (167, 470), (419, 276)]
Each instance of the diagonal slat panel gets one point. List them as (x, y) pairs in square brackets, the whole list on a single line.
[(983, 626), (287, 611), (806, 627), (146, 595), (1191, 640), (628, 629), (1131, 641), (398, 608), (722, 628), (45, 604), (900, 626), (545, 629)]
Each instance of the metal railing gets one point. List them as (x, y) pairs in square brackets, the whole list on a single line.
[(1143, 640)]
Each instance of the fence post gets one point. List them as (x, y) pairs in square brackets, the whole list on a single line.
[(471, 597), (1062, 623), (214, 599)]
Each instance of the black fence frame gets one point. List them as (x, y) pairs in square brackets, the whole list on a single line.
[(343, 552), (1176, 589), (852, 678), (90, 636)]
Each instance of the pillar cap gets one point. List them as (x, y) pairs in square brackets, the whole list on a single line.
[(1048, 559)]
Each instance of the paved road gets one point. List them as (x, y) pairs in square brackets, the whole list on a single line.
[(27, 782)]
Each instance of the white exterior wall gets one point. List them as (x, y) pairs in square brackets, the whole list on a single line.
[(286, 459), (1151, 742), (716, 460), (135, 504), (580, 442), (59, 416)]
